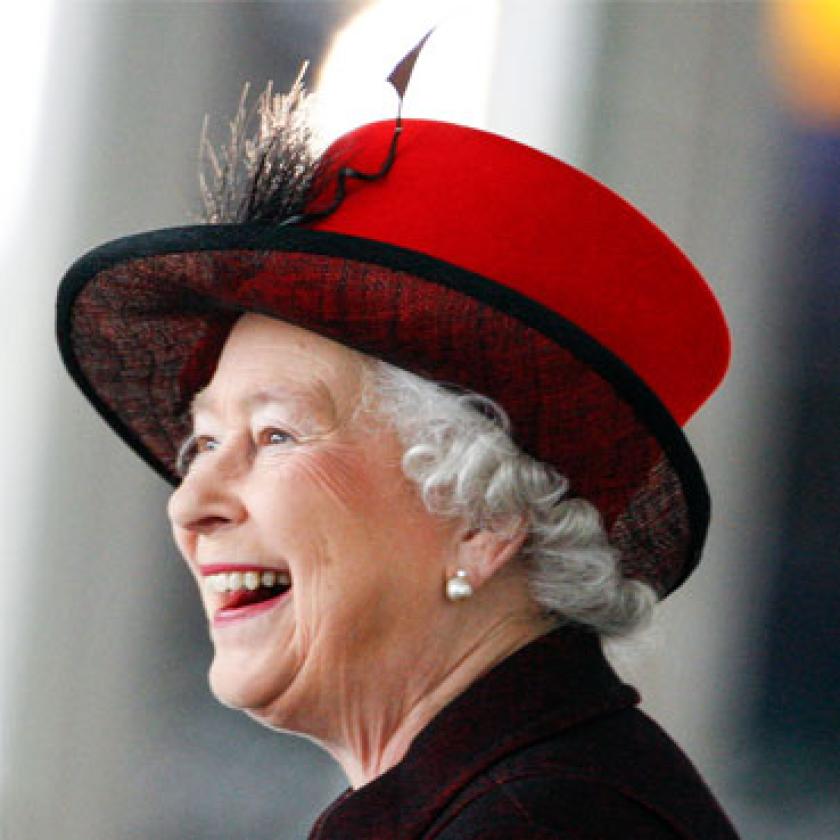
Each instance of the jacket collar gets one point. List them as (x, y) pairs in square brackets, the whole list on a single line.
[(555, 682)]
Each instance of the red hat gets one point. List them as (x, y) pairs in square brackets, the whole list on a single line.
[(475, 261)]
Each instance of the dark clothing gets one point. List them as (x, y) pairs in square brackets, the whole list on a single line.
[(548, 745)]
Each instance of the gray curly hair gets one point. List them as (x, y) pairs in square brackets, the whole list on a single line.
[(459, 453)]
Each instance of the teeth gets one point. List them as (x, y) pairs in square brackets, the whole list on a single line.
[(250, 580)]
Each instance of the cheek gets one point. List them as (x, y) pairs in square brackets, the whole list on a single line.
[(379, 546), (314, 512), (340, 516), (332, 488), (342, 474)]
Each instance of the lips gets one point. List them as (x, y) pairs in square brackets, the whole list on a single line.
[(242, 591)]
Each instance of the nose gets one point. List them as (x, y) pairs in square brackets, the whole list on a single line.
[(209, 499)]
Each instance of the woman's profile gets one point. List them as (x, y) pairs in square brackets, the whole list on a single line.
[(420, 400)]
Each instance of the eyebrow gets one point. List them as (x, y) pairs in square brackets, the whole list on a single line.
[(278, 394)]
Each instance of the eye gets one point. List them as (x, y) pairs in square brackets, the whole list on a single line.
[(205, 443), (272, 436), (191, 448)]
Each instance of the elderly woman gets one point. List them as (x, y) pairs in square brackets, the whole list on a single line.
[(412, 575)]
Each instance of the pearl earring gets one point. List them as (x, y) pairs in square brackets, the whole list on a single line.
[(458, 587)]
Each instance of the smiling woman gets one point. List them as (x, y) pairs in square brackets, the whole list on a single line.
[(434, 454), (290, 487)]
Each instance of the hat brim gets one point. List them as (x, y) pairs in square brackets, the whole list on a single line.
[(141, 322)]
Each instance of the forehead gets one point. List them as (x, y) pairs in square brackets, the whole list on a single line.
[(267, 358)]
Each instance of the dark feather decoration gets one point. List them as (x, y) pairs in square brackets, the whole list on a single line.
[(399, 78), (267, 170), (401, 74)]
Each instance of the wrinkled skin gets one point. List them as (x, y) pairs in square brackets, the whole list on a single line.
[(292, 473)]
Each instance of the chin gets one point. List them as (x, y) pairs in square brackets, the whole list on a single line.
[(233, 686)]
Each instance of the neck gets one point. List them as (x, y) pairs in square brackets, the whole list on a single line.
[(377, 731)]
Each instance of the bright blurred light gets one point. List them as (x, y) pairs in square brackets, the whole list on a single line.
[(806, 40), (451, 80), (23, 61)]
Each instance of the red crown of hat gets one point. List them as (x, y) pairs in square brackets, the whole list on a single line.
[(548, 231), (476, 261)]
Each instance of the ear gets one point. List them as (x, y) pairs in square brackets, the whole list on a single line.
[(482, 553)]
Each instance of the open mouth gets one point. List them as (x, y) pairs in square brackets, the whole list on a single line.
[(243, 593)]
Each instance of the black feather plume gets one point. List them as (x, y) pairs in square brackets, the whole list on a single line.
[(268, 169)]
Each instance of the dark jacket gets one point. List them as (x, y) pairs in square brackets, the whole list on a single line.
[(547, 745)]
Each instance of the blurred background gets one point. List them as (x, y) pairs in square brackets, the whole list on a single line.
[(720, 120)]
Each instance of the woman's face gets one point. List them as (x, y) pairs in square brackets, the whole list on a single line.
[(291, 476)]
